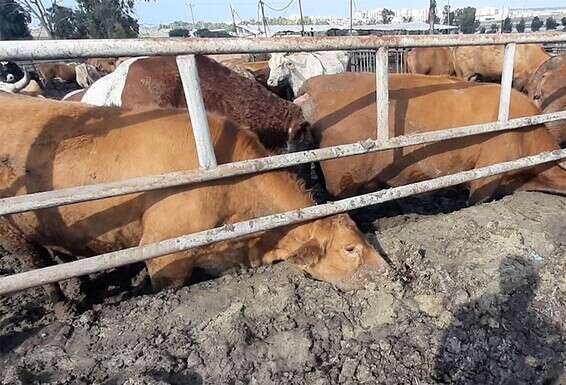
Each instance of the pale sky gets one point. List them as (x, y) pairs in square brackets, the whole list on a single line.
[(165, 11)]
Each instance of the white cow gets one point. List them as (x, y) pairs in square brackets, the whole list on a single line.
[(296, 68)]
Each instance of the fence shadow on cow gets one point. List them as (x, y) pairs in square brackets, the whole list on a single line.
[(500, 338)]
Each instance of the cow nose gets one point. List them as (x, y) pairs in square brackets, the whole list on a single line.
[(272, 83), (10, 78)]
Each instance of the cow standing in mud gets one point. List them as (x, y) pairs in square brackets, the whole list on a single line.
[(52, 145), (422, 104)]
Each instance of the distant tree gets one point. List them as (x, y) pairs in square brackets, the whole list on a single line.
[(507, 25), (407, 19), (106, 19), (536, 24), (204, 32), (466, 20), (66, 23), (387, 15), (96, 18), (563, 21), (482, 29), (493, 28), (180, 32), (521, 25), (14, 21), (551, 23)]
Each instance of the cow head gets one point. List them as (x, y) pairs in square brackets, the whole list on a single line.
[(281, 66), (12, 77), (339, 253), (10, 72)]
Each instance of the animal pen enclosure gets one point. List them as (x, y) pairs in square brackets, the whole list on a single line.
[(32, 50)]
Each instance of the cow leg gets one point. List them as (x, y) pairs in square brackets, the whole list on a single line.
[(483, 189), (172, 217)]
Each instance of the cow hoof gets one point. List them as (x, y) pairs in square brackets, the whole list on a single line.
[(65, 310)]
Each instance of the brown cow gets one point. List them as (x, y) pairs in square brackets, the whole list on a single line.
[(547, 88), (486, 63), (63, 71), (155, 82), (483, 63), (422, 104), (52, 145), (104, 65), (431, 61)]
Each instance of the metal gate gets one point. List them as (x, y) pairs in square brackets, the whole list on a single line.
[(364, 60), (69, 49)]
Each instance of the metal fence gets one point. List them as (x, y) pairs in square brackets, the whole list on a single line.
[(556, 48), (31, 50), (364, 60)]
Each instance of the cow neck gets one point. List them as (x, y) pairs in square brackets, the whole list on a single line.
[(281, 192)]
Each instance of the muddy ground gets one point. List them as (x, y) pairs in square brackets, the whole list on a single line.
[(476, 296)]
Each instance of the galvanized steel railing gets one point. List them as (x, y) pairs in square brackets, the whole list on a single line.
[(26, 50)]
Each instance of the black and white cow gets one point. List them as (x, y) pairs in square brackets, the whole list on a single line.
[(15, 79)]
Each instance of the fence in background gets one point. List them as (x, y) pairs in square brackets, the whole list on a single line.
[(69, 49), (364, 60)]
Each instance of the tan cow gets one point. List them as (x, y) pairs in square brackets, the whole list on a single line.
[(103, 65), (52, 145), (86, 75), (431, 61), (547, 88), (423, 104), (155, 82), (63, 71), (486, 63), (482, 63)]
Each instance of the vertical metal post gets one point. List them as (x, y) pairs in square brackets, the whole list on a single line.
[(189, 77), (506, 82), (382, 92)]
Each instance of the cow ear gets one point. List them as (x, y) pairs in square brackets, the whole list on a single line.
[(306, 255)]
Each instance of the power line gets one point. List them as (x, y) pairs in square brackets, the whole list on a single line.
[(277, 9)]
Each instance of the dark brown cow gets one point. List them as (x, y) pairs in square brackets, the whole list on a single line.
[(155, 82)]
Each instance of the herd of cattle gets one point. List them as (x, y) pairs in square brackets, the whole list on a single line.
[(133, 122)]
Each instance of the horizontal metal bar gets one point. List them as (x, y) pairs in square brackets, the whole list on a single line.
[(40, 277), (70, 49), (66, 196)]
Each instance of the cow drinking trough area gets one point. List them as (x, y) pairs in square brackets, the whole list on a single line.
[(477, 296)]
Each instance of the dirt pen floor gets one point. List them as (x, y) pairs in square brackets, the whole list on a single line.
[(476, 296)]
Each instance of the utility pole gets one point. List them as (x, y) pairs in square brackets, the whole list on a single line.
[(233, 20), (191, 5), (432, 15), (302, 21), (351, 18), (263, 17)]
